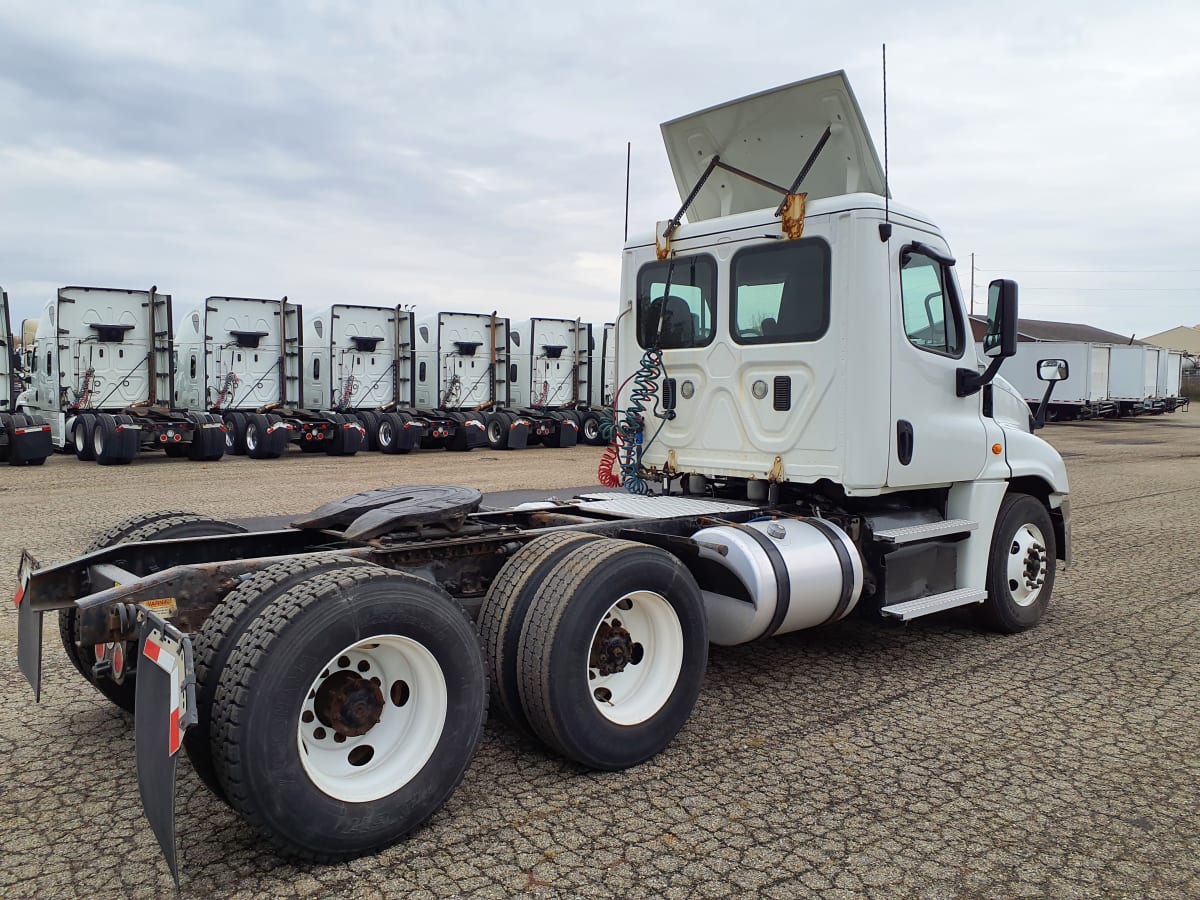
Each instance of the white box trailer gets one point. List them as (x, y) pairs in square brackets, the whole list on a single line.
[(1133, 381), (1082, 395), (241, 359), (550, 370), (24, 440), (102, 375), (1167, 395)]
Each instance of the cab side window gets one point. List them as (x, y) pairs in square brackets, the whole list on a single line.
[(931, 313)]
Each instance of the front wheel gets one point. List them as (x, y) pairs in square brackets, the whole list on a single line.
[(348, 712), (1021, 565), (612, 653)]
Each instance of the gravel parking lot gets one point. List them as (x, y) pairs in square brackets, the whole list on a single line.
[(933, 759)]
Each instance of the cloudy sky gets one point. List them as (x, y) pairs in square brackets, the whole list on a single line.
[(471, 155)]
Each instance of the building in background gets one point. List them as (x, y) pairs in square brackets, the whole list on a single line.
[(1185, 338)]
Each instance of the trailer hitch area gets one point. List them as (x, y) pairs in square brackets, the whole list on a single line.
[(164, 708)]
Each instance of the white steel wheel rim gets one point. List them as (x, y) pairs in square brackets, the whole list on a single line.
[(495, 431), (251, 436), (591, 429), (79, 435), (98, 438), (385, 434), (1027, 565), (655, 638), (366, 767)]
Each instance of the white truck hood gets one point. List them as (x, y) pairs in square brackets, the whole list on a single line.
[(770, 135)]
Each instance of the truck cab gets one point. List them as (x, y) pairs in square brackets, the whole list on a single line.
[(812, 341)]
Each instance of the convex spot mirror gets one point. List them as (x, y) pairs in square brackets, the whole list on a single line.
[(1053, 369), (1001, 338)]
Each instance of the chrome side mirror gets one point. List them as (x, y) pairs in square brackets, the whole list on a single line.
[(1053, 369)]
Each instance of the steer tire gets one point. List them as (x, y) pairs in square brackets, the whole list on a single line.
[(215, 641), (647, 706), (274, 756), (1011, 606), (502, 617), (152, 526)]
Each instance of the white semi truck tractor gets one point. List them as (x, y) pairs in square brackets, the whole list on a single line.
[(550, 377), (461, 381), (805, 435), (241, 358), (24, 439), (102, 375)]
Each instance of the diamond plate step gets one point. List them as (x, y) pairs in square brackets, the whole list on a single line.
[(923, 606), (929, 530)]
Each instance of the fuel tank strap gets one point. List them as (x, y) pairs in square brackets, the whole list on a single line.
[(844, 560), (783, 581)]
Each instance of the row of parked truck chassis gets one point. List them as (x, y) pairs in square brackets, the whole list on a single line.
[(112, 373)]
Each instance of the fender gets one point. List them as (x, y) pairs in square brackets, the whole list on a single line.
[(1027, 454)]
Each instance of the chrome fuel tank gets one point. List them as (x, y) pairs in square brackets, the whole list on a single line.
[(776, 576)]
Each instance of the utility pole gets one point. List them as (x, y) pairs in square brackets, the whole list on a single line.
[(972, 282)]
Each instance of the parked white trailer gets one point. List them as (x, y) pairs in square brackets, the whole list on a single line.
[(1133, 379), (1084, 392), (24, 440), (102, 375), (550, 370), (802, 366), (1167, 394), (241, 359)]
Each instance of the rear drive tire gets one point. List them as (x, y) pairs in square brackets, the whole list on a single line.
[(235, 433), (502, 616), (215, 641), (497, 425), (108, 444), (613, 653), (81, 437), (1021, 565), (153, 526), (321, 756)]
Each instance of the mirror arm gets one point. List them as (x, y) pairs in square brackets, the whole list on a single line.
[(968, 381), (1039, 418)]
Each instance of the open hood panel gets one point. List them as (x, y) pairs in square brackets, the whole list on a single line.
[(770, 135)]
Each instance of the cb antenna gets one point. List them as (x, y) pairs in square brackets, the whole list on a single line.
[(885, 230), (628, 155)]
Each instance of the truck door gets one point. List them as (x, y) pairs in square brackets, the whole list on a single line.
[(936, 436)]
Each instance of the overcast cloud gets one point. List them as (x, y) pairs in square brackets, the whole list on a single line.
[(471, 155)]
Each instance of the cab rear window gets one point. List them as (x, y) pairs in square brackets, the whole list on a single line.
[(677, 303)]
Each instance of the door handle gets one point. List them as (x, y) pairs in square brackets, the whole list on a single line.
[(904, 441)]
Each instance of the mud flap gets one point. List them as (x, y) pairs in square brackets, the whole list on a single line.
[(518, 434), (29, 444), (164, 708), (469, 433), (29, 628)]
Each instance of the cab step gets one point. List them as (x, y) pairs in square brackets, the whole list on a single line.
[(924, 606), (930, 530)]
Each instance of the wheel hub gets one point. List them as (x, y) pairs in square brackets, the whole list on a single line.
[(1035, 562), (348, 703), (612, 648)]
